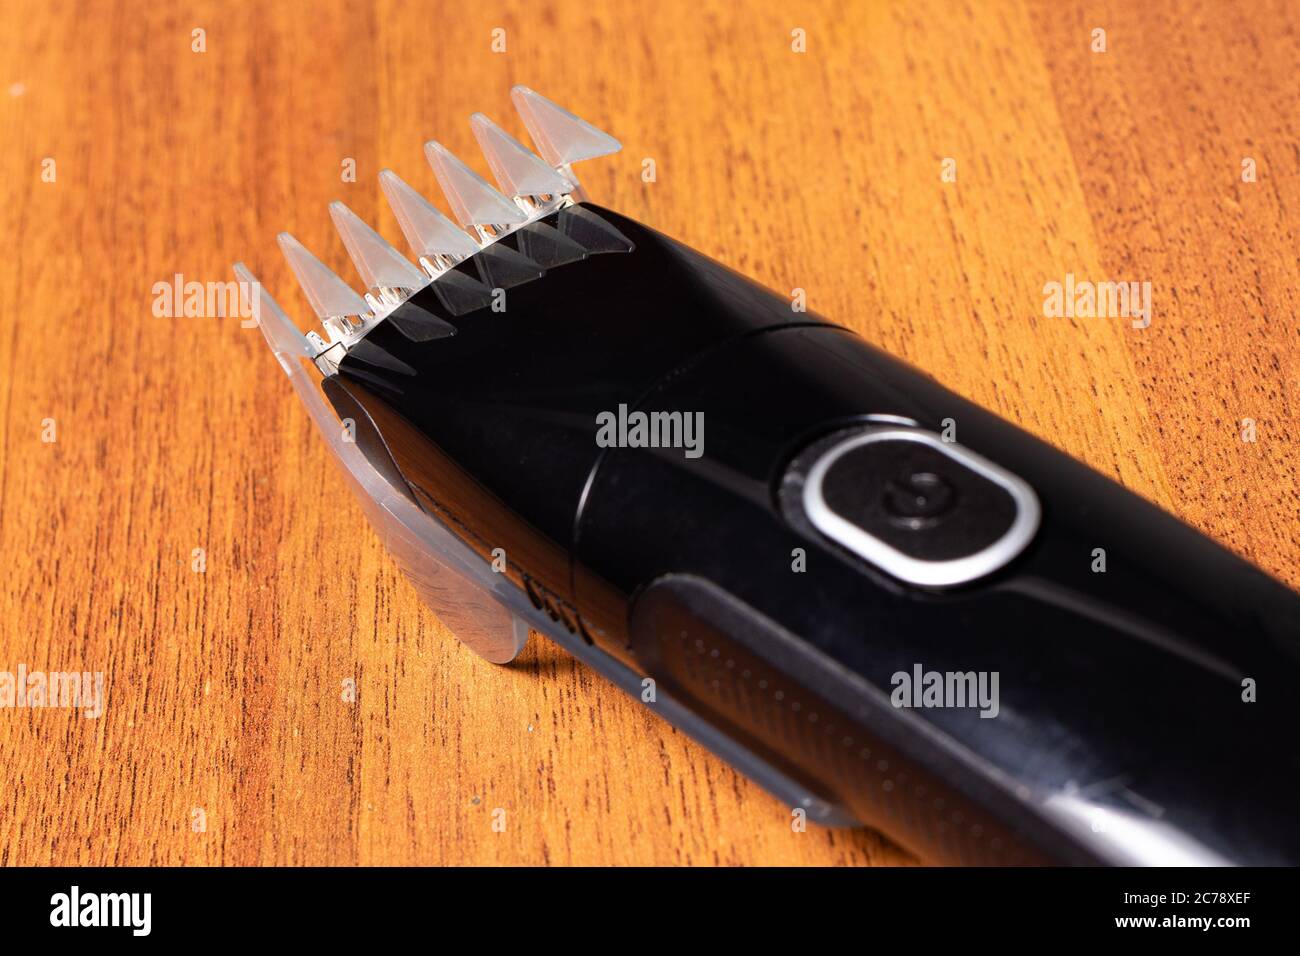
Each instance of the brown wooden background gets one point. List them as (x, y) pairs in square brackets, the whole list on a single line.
[(817, 170)]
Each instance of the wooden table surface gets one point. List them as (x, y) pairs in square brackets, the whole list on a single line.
[(820, 170)]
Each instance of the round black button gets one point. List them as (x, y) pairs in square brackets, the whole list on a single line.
[(918, 500)]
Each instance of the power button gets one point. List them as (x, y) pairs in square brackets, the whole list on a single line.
[(918, 500), (924, 510)]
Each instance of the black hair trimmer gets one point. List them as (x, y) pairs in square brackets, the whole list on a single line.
[(885, 604)]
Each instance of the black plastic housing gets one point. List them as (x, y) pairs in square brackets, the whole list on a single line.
[(1122, 734)]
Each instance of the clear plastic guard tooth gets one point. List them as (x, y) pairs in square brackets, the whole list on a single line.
[(503, 268), (332, 299), (481, 608), (371, 353), (517, 169), (285, 338), (460, 294), (430, 234), (547, 246), (418, 324), (378, 263), (561, 137), (474, 201), (592, 232), (281, 334)]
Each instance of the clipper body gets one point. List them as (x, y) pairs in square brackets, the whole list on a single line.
[(827, 538)]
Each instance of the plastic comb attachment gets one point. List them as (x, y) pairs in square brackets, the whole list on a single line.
[(341, 310), (547, 246), (561, 137), (437, 241), (592, 232), (386, 272), (466, 267), (462, 590), (460, 294), (286, 340), (503, 268), (474, 202), (519, 172)]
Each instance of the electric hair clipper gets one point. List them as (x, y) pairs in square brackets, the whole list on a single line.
[(880, 601)]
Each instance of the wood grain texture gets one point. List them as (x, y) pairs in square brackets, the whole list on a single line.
[(818, 170)]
